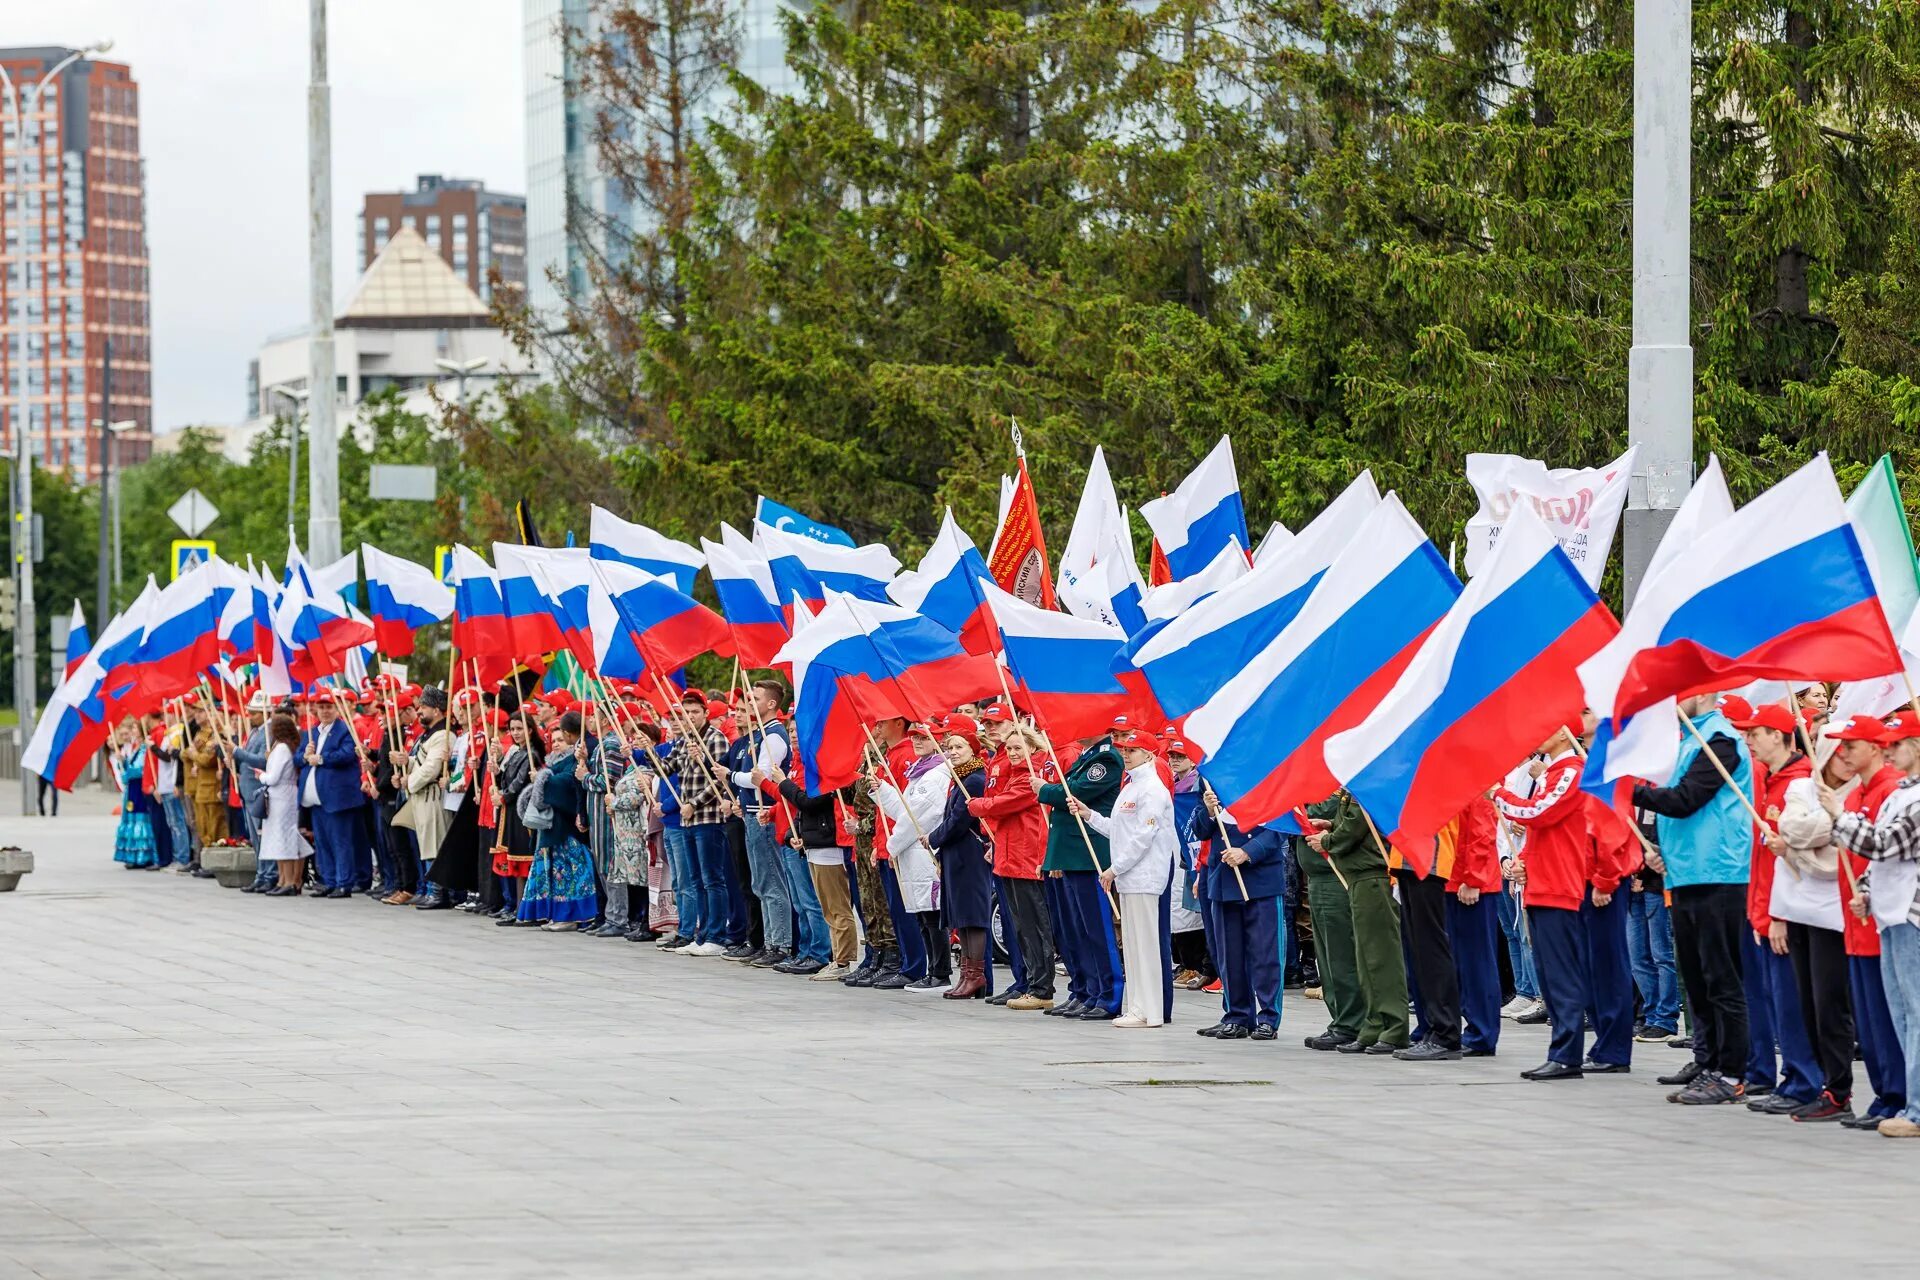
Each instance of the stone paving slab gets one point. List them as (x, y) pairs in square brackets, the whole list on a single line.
[(197, 1082)]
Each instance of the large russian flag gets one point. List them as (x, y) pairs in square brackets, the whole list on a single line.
[(840, 684), (1190, 659), (319, 632), (78, 641), (611, 538), (1062, 666), (1778, 591), (642, 622), (181, 637), (1265, 731), (479, 615), (1492, 682), (804, 570), (402, 597), (1196, 520), (743, 581), (946, 587), (532, 583)]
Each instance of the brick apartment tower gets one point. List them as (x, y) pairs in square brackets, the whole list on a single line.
[(474, 230), (81, 223)]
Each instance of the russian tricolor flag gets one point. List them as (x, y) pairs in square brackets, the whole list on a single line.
[(946, 587), (611, 538), (1265, 731), (1196, 520), (78, 641), (1190, 659), (643, 623), (805, 570), (181, 637), (1492, 682), (1778, 590), (479, 614), (319, 633), (743, 581), (543, 595), (402, 597), (1063, 665)]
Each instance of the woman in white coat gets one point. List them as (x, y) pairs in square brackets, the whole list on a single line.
[(912, 816), (280, 839), (1805, 908), (1144, 843)]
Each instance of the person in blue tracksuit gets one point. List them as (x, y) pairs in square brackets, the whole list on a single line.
[(1247, 907)]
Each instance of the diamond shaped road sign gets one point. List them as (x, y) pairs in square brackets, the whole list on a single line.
[(193, 513)]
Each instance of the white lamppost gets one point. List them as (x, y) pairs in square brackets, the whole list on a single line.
[(462, 369), (296, 397)]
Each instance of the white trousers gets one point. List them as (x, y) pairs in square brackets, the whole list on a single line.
[(1145, 996)]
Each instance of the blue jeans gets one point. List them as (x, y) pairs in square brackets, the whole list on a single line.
[(770, 884), (813, 941), (175, 810), (707, 843), (1520, 954), (1650, 950), (1900, 972), (687, 902)]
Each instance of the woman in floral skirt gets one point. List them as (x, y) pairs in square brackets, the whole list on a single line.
[(560, 889), (133, 841)]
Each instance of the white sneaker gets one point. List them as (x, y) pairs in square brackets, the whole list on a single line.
[(1515, 1007), (832, 973), (1129, 1022), (705, 949)]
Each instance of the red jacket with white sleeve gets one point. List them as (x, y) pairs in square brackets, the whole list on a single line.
[(1559, 851)]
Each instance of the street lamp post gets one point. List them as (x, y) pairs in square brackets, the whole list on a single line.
[(298, 396), (25, 649), (462, 369), (323, 453)]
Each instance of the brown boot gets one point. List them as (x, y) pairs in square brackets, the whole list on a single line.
[(972, 984)]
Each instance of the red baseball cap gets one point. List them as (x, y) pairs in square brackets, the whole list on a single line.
[(1770, 716), (1858, 729), (998, 713), (1900, 727), (919, 729), (1137, 739), (1181, 747), (1736, 709)]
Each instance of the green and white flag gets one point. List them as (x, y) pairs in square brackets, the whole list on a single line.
[(1880, 522)]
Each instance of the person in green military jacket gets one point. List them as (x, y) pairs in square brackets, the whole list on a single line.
[(1332, 912), (1076, 855), (1351, 846)]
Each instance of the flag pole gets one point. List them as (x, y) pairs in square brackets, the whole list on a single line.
[(1060, 769), (1646, 848), (1746, 801)]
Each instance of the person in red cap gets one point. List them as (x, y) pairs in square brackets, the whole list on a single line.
[(913, 813), (1010, 808), (1782, 1074), (1143, 846), (966, 874)]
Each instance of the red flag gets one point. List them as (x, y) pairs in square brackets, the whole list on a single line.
[(1159, 573), (1019, 560)]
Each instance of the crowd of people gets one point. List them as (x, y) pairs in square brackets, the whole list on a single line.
[(1769, 893)]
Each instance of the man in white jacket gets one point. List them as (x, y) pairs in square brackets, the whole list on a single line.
[(1145, 843)]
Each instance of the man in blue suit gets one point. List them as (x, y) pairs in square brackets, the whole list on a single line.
[(1249, 930), (330, 790)]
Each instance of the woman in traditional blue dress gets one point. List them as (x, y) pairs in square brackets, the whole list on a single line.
[(133, 841), (560, 887)]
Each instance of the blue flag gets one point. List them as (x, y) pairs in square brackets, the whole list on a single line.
[(772, 513)]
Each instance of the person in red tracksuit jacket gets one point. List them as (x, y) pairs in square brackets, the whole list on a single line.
[(1473, 923), (1553, 871), (1615, 855), (1017, 825)]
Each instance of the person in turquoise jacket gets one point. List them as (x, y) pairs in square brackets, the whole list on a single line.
[(1706, 839), (1076, 855)]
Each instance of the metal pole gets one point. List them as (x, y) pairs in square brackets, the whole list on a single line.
[(323, 446), (26, 638), (118, 577), (1660, 365), (101, 596), (293, 464)]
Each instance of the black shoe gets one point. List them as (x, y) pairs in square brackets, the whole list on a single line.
[(1427, 1051), (1864, 1120), (1532, 1018), (1683, 1076), (1823, 1108), (1001, 997), (1593, 1068), (1211, 1033), (201, 873), (1094, 1013), (641, 933), (1233, 1031), (790, 964), (1646, 1033), (609, 930), (1071, 1009), (433, 902), (1552, 1071), (739, 951), (1329, 1040), (250, 888), (806, 967), (1759, 1090), (1708, 1090), (340, 891), (1477, 1053), (863, 977), (1265, 1031), (889, 980), (505, 922), (1352, 1046), (1380, 1049), (1778, 1105), (771, 958)]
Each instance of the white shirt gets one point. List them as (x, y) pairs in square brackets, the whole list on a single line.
[(1141, 831), (772, 754), (309, 793)]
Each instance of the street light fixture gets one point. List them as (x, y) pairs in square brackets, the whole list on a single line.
[(298, 397), (461, 369)]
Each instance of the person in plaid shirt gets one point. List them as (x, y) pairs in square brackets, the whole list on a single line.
[(705, 804)]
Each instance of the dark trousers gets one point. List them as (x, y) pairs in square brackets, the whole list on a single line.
[(1819, 960), (1065, 940), (405, 848), (1560, 951), (1708, 923), (913, 950), (333, 840), (1165, 917), (372, 847), (383, 836), (743, 907), (1009, 940), (1879, 1044), (1610, 970), (1090, 921), (1477, 941), (1773, 1021), (1026, 904), (1250, 960), (933, 936), (1435, 983)]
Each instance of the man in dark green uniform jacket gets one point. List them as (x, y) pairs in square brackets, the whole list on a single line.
[(1332, 914), (1076, 855), (1352, 847)]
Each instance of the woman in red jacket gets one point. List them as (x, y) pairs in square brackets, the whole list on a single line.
[(1017, 825), (1473, 922)]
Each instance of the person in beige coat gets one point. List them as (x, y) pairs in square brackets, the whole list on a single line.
[(424, 770)]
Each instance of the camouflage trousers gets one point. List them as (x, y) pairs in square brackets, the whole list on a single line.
[(875, 921)]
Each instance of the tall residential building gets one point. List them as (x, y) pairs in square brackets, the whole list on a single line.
[(73, 258), (562, 173), (474, 230)]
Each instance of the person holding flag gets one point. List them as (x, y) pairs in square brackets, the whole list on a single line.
[(1144, 844)]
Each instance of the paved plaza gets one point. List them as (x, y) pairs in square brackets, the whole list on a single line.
[(198, 1082)]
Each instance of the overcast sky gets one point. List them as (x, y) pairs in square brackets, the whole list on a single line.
[(419, 86)]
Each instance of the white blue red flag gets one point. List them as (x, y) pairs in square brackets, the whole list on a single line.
[(743, 582), (804, 570), (1061, 666), (1193, 522), (611, 538), (947, 587), (402, 597), (78, 641)]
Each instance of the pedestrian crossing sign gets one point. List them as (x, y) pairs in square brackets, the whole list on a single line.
[(189, 553), (443, 564)]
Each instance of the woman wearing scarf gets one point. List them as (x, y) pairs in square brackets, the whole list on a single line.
[(631, 810), (133, 840), (966, 873), (513, 844), (913, 812), (560, 889)]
